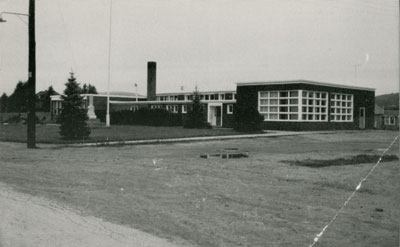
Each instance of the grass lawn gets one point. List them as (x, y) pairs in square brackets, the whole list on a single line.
[(262, 200), (100, 133)]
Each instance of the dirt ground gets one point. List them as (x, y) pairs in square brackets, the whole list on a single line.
[(34, 221), (170, 192)]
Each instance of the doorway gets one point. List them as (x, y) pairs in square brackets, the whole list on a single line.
[(215, 114), (362, 118)]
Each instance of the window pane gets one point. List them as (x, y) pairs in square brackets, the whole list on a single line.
[(310, 109), (318, 95), (304, 101), (264, 109), (304, 109), (273, 116), (304, 93), (294, 93), (264, 94), (283, 116), (310, 94), (294, 116), (310, 117), (283, 101), (273, 94), (294, 101), (310, 102), (304, 117), (283, 94), (264, 102), (283, 109), (273, 101), (294, 109), (273, 109), (323, 95), (323, 117)]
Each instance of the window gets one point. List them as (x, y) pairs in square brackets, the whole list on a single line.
[(293, 105), (390, 120), (279, 105), (134, 108), (314, 106), (229, 109), (341, 107), (184, 108)]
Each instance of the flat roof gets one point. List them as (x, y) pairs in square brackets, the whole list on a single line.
[(200, 92), (317, 83)]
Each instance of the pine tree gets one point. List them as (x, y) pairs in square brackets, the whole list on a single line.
[(196, 117), (46, 98), (3, 102), (74, 114), (89, 89)]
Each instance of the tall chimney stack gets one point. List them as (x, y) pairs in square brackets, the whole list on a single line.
[(151, 80)]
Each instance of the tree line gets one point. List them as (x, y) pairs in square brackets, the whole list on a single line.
[(17, 101)]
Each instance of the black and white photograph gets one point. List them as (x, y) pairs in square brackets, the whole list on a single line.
[(188, 123)]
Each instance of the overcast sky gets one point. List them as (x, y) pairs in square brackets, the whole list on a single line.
[(208, 43)]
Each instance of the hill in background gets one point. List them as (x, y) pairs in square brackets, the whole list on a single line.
[(389, 101)]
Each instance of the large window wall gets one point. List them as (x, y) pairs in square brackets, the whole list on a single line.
[(341, 107), (304, 105)]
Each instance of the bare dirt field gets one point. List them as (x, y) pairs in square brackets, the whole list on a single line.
[(262, 200)]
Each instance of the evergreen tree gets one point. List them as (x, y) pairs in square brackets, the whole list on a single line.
[(73, 114), (45, 99), (3, 102), (196, 116), (18, 99), (89, 89), (92, 89)]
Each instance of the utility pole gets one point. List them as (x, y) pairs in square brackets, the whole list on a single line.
[(31, 122)]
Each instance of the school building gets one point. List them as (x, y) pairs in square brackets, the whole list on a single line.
[(285, 105)]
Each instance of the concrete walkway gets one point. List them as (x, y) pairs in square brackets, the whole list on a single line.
[(203, 138)]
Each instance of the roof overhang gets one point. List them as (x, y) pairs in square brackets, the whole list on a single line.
[(315, 83)]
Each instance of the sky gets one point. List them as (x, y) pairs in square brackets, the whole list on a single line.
[(211, 44)]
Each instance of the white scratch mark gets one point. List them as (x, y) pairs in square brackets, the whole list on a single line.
[(320, 234)]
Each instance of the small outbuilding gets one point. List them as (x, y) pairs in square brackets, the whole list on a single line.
[(309, 105)]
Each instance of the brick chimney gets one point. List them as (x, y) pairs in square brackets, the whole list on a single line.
[(151, 80)]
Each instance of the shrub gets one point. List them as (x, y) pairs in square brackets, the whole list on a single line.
[(146, 116), (247, 119)]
